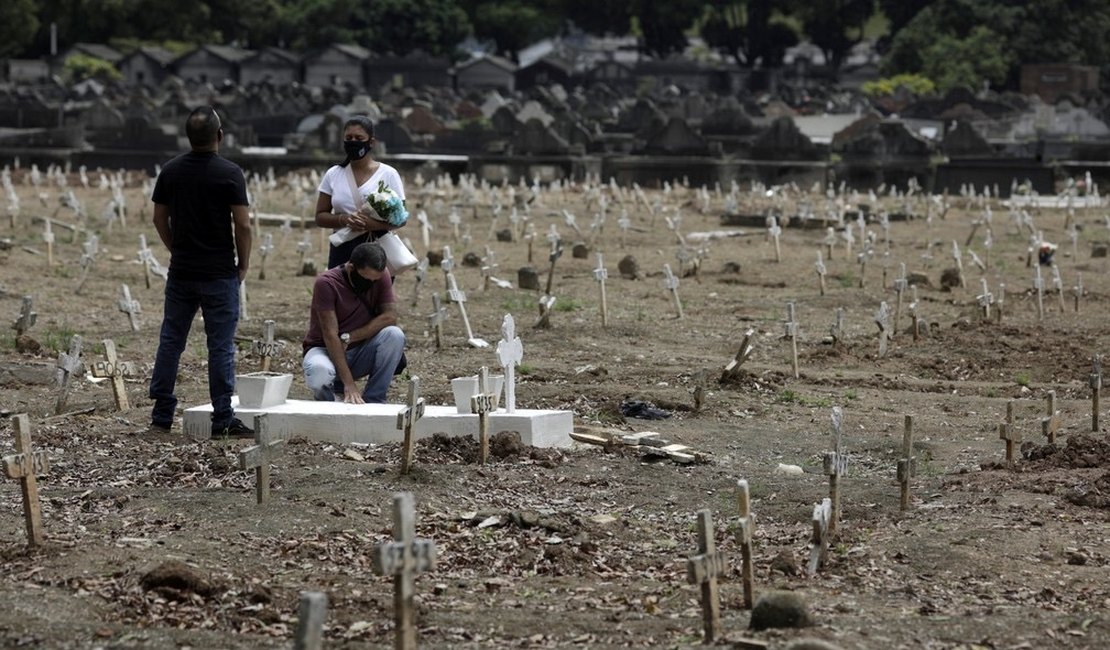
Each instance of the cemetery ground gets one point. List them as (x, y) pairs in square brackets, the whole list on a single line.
[(155, 541)]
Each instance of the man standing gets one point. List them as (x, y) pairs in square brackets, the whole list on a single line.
[(200, 212), (352, 330)]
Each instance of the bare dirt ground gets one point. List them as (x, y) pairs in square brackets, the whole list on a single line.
[(584, 546)]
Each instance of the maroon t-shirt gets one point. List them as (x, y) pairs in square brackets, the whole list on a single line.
[(333, 293)]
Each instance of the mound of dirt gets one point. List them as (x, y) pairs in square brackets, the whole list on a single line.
[(1083, 450)]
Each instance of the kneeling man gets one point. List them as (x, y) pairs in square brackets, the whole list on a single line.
[(352, 330)]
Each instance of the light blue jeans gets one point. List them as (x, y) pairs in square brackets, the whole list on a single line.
[(375, 359)]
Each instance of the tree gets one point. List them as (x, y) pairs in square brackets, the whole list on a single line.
[(434, 26), (901, 12), (598, 17), (835, 26), (512, 25), (745, 31), (663, 25), (18, 25)]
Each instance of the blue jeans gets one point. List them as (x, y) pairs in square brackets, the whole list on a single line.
[(375, 359), (218, 301)]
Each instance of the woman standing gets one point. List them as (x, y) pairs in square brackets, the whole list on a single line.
[(337, 207)]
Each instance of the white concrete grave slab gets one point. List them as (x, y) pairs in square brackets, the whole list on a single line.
[(343, 423)]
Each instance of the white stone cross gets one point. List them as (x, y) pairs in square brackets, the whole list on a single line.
[(407, 419), (510, 351), (27, 317), (985, 299), (258, 457), (264, 251), (114, 369), (26, 465), (402, 559), (310, 621), (670, 283), (447, 263), (601, 274), (130, 307), (67, 366)]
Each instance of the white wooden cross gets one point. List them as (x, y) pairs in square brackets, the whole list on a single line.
[(790, 332), (91, 247), (1095, 382), (1008, 433), (510, 352), (556, 253), (27, 317), (150, 264), (1078, 290), (435, 320), (835, 465), (310, 621), (488, 267), (402, 559), (775, 231), (483, 403), (819, 540), (882, 320), (907, 464), (1000, 301), (746, 525), (112, 368), (26, 465), (407, 419), (571, 221), (454, 219), (258, 456), (821, 272), (447, 264), (266, 349), (1050, 423), (264, 251), (130, 307), (829, 241), (459, 298), (985, 300), (600, 275), (420, 276), (703, 570), (67, 366), (670, 283), (1058, 285)]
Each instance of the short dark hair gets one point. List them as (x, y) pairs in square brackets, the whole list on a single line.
[(202, 126), (368, 255), (360, 121)]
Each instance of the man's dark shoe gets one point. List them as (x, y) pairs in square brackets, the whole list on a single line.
[(235, 429), (158, 429)]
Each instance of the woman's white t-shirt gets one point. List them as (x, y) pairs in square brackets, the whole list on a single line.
[(336, 185)]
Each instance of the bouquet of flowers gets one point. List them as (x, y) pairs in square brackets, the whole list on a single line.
[(383, 205)]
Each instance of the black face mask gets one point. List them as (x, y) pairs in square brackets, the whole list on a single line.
[(356, 149), (359, 284)]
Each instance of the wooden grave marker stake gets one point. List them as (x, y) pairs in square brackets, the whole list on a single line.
[(1058, 286), (26, 465), (835, 466), (91, 247), (311, 614), (775, 231), (510, 351), (703, 570), (1010, 434), (830, 242), (258, 457), (483, 404), (243, 314), (836, 330), (732, 370), (266, 349), (1078, 290), (407, 419), (1050, 423), (420, 276), (790, 332), (1038, 284), (402, 559), (435, 320), (600, 275), (914, 320), (985, 299), (114, 369), (1096, 388), (27, 317), (821, 272), (304, 247), (48, 238), (819, 540), (670, 283), (958, 258), (907, 464), (1000, 302), (546, 304), (556, 253), (882, 321), (68, 364), (130, 307), (746, 525)]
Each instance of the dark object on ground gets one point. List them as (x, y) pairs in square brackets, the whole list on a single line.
[(634, 408), (780, 609)]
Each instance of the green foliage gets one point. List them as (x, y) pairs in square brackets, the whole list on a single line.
[(662, 25), (835, 26), (434, 26), (57, 339), (513, 25), (18, 24), (525, 369), (568, 304), (79, 67), (1023, 378), (915, 83), (748, 31), (967, 62), (789, 396)]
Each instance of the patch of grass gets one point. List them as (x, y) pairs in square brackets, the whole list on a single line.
[(518, 303), (58, 339), (525, 369), (851, 394), (788, 396), (1023, 378), (847, 280), (568, 304)]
